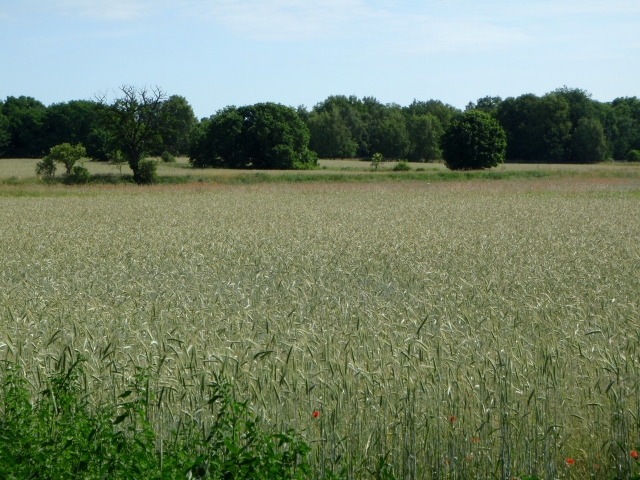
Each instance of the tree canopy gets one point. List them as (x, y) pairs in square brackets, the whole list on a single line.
[(25, 117), (547, 128), (330, 134), (262, 136), (5, 135), (473, 141)]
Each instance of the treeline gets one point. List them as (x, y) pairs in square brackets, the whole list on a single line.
[(563, 126), (28, 128)]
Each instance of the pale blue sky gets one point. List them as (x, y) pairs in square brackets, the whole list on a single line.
[(222, 52)]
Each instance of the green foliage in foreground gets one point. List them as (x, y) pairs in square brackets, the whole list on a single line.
[(61, 436)]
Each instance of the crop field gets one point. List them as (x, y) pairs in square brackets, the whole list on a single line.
[(451, 330)]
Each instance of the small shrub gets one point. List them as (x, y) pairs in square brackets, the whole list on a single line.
[(67, 154), (376, 160), (633, 156), (167, 157), (402, 166), (79, 175), (117, 160), (46, 168), (147, 173)]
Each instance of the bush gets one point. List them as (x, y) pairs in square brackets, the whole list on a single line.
[(402, 166), (376, 160), (146, 173), (117, 160), (79, 174), (59, 435), (167, 157), (46, 168), (633, 156), (67, 154), (473, 141)]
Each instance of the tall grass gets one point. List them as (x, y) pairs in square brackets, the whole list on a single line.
[(438, 333)]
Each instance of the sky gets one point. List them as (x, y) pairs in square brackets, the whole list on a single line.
[(238, 52)]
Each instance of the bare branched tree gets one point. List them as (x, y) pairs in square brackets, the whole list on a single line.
[(137, 120)]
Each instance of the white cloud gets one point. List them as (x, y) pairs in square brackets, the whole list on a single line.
[(549, 8), (116, 10), (308, 16), (393, 25), (285, 19)]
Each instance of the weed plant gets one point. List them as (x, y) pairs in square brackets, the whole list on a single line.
[(61, 435)]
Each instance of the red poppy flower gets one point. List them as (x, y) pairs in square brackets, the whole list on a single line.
[(315, 414), (634, 454), (570, 461), (452, 419)]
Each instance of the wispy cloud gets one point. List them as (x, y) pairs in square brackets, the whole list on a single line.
[(399, 25), (313, 16), (285, 19), (115, 10), (548, 8), (392, 24)]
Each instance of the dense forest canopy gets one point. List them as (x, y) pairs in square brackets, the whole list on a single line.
[(563, 126)]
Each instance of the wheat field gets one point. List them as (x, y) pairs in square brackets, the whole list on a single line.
[(476, 330)]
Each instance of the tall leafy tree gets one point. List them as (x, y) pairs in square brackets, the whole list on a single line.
[(389, 134), (303, 113), (5, 135), (625, 128), (581, 108), (550, 129), (516, 117), (444, 112), (354, 114), (70, 122), (26, 117), (201, 149), (589, 144), (424, 135), (486, 104), (473, 141), (262, 136), (183, 120), (330, 135), (580, 104)]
